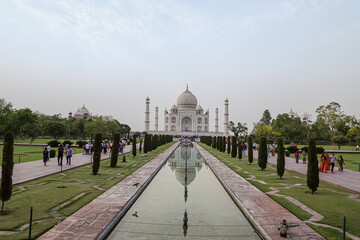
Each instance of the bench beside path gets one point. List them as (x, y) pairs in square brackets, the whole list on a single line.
[(262, 209), (89, 221)]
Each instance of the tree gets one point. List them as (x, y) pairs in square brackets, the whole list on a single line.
[(290, 128), (140, 145), (312, 176), (57, 129), (223, 144), (146, 143), (240, 150), (218, 143), (228, 145), (238, 129), (97, 153), (20, 118), (134, 146), (115, 150), (214, 144), (7, 169), (233, 147), (31, 130), (330, 115), (266, 118), (250, 150), (280, 166), (262, 158), (353, 133), (262, 130), (340, 140)]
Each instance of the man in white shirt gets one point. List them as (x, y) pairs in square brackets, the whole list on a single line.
[(332, 161)]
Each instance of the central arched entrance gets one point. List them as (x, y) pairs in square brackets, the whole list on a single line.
[(186, 124)]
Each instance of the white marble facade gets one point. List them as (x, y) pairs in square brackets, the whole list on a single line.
[(186, 115)]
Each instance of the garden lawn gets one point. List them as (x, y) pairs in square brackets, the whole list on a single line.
[(55, 197), (329, 201), (29, 153)]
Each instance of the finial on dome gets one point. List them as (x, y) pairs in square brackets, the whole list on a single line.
[(187, 86)]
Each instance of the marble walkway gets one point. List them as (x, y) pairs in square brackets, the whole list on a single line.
[(348, 179), (264, 211), (28, 171), (89, 221)]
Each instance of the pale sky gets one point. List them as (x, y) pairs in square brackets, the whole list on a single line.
[(110, 55)]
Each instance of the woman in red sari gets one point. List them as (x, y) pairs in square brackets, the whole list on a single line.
[(327, 162), (322, 167)]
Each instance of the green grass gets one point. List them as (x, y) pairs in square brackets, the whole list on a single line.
[(29, 153), (332, 205), (46, 193), (329, 233)]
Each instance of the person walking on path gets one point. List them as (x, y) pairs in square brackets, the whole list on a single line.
[(332, 161), (60, 155), (297, 156), (45, 156), (304, 156), (357, 148), (48, 150), (69, 154), (327, 162), (322, 167), (341, 162), (87, 146)]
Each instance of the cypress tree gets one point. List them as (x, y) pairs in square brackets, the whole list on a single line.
[(280, 166), (228, 145), (240, 150), (97, 153), (312, 176), (146, 139), (250, 150), (214, 143), (153, 146), (220, 144), (262, 158), (115, 150), (7, 169), (140, 144), (223, 144), (233, 147), (134, 146)]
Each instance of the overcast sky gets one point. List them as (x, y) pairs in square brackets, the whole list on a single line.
[(110, 55)]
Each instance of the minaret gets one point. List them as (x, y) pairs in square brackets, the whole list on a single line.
[(216, 120), (226, 118), (147, 115), (156, 118)]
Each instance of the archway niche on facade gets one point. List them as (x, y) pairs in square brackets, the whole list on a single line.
[(186, 124), (173, 120), (199, 121), (199, 128), (166, 120), (166, 128), (173, 128), (206, 121)]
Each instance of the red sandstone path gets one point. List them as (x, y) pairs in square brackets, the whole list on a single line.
[(28, 171), (347, 179)]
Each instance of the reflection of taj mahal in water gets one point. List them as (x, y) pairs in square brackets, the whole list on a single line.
[(177, 163), (187, 118)]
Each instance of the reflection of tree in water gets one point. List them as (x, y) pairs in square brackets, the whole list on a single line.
[(177, 164)]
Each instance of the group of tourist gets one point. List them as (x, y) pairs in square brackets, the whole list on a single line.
[(297, 156), (328, 163), (68, 152)]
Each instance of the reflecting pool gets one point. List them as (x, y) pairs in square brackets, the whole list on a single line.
[(159, 212)]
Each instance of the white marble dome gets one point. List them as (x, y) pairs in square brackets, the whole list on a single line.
[(186, 100), (84, 110)]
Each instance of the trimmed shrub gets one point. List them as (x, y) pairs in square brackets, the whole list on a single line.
[(54, 143), (228, 145), (141, 144), (69, 143), (124, 158), (146, 143), (97, 154), (287, 153), (292, 149), (262, 159), (240, 151), (80, 143), (250, 150), (7, 169), (312, 176), (115, 150), (233, 147), (52, 153), (305, 149), (319, 150), (280, 166), (134, 147)]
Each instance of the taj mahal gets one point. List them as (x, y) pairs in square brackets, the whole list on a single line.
[(187, 118)]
